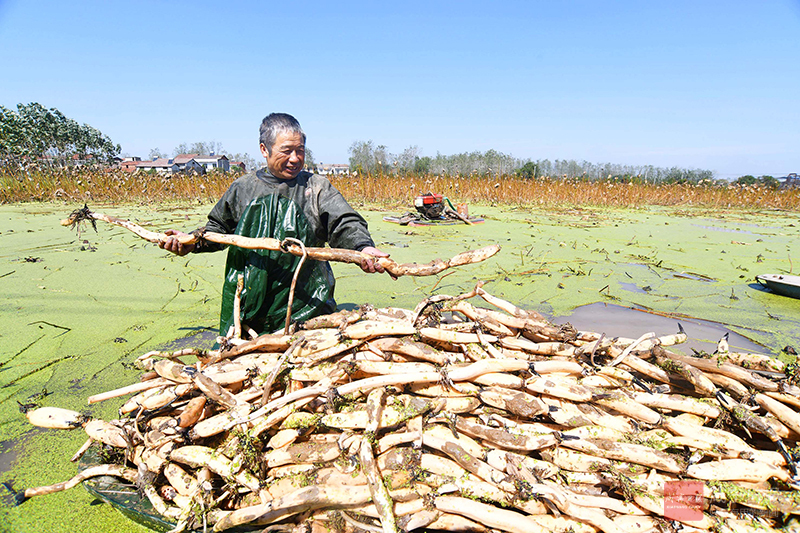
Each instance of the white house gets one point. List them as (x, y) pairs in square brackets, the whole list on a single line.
[(182, 159), (162, 166), (333, 170), (214, 162), (188, 163)]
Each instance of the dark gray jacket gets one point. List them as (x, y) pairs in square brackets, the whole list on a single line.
[(331, 217)]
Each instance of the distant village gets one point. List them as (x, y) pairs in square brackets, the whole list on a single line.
[(200, 164)]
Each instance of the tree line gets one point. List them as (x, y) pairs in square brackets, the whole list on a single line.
[(34, 132), (367, 157)]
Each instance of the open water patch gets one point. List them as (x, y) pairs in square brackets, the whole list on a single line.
[(620, 321), (632, 287), (8, 455), (202, 338), (693, 276), (726, 230)]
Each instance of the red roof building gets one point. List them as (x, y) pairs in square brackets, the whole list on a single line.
[(182, 159), (129, 166)]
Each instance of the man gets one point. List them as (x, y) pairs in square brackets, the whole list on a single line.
[(280, 201)]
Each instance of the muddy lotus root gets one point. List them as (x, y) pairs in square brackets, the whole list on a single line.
[(452, 417)]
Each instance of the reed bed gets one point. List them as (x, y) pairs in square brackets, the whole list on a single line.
[(512, 190), (391, 190), (450, 417), (84, 185)]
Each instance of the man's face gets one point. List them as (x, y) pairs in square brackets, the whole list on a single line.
[(287, 157)]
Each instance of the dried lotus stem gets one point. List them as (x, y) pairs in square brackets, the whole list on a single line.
[(272, 375), (267, 343)]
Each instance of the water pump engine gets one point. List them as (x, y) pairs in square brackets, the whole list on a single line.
[(430, 205)]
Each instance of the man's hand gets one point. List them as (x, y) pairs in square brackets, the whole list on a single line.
[(370, 266), (174, 245)]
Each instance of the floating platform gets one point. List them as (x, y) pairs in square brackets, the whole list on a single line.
[(412, 221)]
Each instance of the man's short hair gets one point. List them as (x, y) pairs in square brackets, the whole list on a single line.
[(276, 123)]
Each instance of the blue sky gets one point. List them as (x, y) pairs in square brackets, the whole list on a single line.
[(697, 84)]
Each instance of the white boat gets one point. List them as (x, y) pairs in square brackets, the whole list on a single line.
[(783, 284)]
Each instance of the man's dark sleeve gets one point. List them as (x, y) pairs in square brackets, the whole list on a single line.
[(223, 218), (345, 228)]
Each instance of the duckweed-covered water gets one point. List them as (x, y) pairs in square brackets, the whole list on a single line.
[(78, 309)]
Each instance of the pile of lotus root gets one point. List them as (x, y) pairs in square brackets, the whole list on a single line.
[(453, 417)]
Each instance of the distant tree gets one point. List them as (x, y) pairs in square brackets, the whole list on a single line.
[(528, 170), (201, 148), (383, 159), (423, 165), (182, 148), (206, 148), (34, 131), (408, 158), (746, 180), (245, 158), (310, 163), (156, 153), (366, 157), (769, 182), (362, 156)]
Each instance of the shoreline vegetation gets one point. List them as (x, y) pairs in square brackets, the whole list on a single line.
[(90, 185)]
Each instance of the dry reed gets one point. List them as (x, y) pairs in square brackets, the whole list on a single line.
[(78, 185)]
